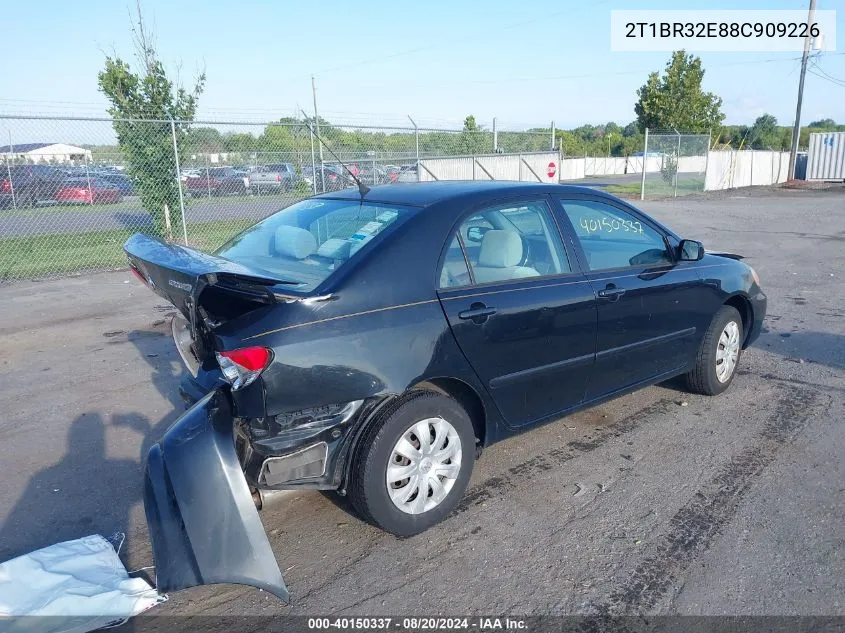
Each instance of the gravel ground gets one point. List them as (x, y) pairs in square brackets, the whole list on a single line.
[(658, 502)]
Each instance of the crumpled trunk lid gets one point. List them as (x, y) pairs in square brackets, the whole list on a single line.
[(181, 275)]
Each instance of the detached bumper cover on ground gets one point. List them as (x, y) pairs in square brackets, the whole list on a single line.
[(203, 524)]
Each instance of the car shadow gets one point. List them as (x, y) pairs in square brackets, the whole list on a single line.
[(87, 491), (821, 348), (810, 347)]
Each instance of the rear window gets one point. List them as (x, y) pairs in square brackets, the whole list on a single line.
[(308, 241)]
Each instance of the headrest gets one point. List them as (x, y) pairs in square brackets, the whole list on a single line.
[(334, 248), (295, 242), (500, 249)]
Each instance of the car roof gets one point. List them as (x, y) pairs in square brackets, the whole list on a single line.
[(423, 194)]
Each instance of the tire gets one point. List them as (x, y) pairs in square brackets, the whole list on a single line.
[(368, 485), (706, 377)]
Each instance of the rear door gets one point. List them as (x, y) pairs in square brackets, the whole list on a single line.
[(649, 321), (521, 310)]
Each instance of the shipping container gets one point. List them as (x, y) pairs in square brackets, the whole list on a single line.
[(826, 158)]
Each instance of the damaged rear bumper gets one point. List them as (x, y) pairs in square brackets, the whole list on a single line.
[(203, 523)]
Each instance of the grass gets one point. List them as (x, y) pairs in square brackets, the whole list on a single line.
[(44, 255), (657, 188)]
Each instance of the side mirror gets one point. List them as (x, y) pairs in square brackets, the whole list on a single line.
[(690, 251), (476, 233)]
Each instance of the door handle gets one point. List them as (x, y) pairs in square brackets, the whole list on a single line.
[(478, 312), (611, 293)]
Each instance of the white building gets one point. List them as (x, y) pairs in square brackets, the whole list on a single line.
[(44, 153)]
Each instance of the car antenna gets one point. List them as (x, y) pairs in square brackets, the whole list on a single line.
[(362, 188)]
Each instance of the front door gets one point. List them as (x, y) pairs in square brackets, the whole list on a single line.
[(522, 315), (649, 323)]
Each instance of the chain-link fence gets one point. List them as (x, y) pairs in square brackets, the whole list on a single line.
[(73, 189), (673, 164)]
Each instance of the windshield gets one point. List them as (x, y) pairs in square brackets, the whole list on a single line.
[(307, 241)]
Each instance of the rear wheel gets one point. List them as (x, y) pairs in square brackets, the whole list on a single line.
[(413, 464), (718, 355)]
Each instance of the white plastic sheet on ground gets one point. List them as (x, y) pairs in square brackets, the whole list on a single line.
[(74, 586)]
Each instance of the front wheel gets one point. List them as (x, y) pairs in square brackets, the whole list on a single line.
[(718, 355), (413, 464)]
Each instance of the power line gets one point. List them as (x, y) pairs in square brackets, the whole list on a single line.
[(464, 38), (593, 75), (820, 76)]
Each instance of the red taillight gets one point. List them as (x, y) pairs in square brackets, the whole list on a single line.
[(7, 186), (278, 178), (251, 358), (242, 366)]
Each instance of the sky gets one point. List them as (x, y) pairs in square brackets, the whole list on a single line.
[(525, 62)]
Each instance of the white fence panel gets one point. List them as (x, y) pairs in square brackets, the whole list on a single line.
[(493, 166), (501, 167), (606, 166), (572, 168), (689, 164), (746, 168), (761, 168), (541, 165), (783, 167)]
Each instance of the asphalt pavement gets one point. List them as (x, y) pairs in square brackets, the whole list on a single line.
[(657, 502)]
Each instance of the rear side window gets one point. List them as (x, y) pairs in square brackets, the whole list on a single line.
[(613, 238), (504, 243), (454, 272)]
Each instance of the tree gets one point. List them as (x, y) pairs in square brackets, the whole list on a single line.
[(472, 139), (824, 124), (676, 101), (765, 134), (203, 140), (143, 103)]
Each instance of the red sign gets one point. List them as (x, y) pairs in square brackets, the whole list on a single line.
[(552, 170)]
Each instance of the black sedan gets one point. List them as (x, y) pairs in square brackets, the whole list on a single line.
[(372, 345)]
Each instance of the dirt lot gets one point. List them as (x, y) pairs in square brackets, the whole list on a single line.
[(659, 502)]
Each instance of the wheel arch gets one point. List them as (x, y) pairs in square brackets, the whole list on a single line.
[(464, 395), (457, 389), (742, 305)]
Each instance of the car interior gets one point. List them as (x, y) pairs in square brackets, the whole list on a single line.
[(504, 243)]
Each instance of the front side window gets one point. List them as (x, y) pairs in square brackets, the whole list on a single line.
[(505, 242), (307, 241), (613, 238)]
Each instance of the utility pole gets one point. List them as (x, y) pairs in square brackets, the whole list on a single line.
[(317, 128), (796, 128)]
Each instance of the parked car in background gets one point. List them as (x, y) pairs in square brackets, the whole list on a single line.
[(189, 173), (336, 177), (24, 185), (368, 172), (121, 182), (274, 177), (373, 344), (217, 181), (407, 173), (88, 191)]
